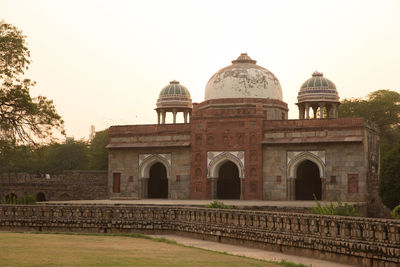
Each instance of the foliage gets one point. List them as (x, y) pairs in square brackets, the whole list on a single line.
[(389, 182), (333, 209), (98, 153), (396, 212), (54, 158), (23, 200), (218, 205), (23, 119), (381, 107)]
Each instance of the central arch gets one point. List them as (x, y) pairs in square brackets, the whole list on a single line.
[(308, 181), (158, 182), (228, 182)]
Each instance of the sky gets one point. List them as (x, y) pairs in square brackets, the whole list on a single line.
[(104, 63)]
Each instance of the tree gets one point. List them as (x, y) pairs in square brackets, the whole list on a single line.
[(23, 119), (381, 107), (98, 154), (389, 183)]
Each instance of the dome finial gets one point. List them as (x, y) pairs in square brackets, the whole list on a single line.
[(316, 73), (244, 58), (174, 82)]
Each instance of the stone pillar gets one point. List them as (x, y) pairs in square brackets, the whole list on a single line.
[(291, 188), (185, 116), (323, 188), (241, 188), (213, 183), (190, 115), (307, 111), (315, 109), (328, 112), (163, 116), (322, 110), (335, 111), (144, 188), (158, 117), (174, 115), (301, 112)]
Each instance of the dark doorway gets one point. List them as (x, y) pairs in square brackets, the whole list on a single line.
[(40, 197), (158, 182), (308, 181), (228, 183), (11, 198)]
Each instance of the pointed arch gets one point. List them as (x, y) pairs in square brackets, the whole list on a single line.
[(218, 161), (295, 162), (145, 165)]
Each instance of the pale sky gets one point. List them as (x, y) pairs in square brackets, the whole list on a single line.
[(104, 63)]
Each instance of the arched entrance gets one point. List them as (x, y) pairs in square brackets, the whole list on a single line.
[(308, 181), (40, 197), (228, 182), (158, 182)]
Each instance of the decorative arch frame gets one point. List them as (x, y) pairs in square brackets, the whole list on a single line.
[(146, 161), (306, 155), (216, 162)]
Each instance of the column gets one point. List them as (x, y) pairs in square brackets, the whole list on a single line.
[(315, 109), (322, 110), (335, 111), (158, 117), (241, 188), (185, 116), (213, 183), (163, 116), (307, 111), (291, 188), (190, 115), (174, 115), (301, 112)]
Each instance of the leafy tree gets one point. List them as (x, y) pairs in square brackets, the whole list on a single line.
[(23, 119), (381, 107), (98, 154), (389, 183), (73, 155)]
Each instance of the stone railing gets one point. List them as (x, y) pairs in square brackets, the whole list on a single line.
[(360, 241)]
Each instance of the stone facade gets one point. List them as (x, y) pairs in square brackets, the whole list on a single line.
[(70, 185), (356, 241)]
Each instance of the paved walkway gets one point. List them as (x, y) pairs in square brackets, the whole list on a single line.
[(249, 252)]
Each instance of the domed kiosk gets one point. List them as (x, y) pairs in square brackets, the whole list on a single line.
[(174, 98), (320, 94)]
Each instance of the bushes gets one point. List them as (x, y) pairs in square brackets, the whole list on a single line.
[(218, 205), (389, 178), (396, 212), (332, 209), (23, 200)]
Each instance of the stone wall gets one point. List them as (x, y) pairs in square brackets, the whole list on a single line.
[(360, 241), (70, 185)]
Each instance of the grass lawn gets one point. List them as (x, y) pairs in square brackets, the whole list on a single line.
[(32, 249)]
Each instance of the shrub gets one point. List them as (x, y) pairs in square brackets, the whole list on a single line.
[(396, 212), (24, 200), (218, 205), (332, 209), (389, 178)]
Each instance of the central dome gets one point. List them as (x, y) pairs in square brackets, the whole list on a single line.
[(243, 79)]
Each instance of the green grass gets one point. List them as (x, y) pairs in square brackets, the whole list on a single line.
[(71, 249)]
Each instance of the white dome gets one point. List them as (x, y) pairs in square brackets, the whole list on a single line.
[(243, 79)]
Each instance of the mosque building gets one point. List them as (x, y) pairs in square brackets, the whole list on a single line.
[(239, 144)]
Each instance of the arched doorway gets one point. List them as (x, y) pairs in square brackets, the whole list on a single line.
[(228, 182), (308, 181), (40, 197), (158, 182)]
